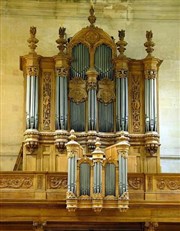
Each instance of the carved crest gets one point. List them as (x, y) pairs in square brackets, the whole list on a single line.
[(106, 92), (77, 90)]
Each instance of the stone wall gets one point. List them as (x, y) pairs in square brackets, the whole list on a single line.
[(112, 15)]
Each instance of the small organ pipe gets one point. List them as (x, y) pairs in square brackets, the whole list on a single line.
[(28, 101), (36, 102), (32, 102), (57, 102)]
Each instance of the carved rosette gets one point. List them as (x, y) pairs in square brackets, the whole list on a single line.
[(31, 140), (77, 90), (152, 142), (61, 138), (106, 91)]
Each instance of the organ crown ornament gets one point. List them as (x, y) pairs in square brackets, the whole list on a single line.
[(61, 41), (32, 40), (149, 44), (121, 43), (92, 17)]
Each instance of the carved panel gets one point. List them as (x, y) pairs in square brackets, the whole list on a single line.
[(77, 90), (136, 183), (168, 183), (16, 182), (106, 92), (135, 91), (57, 182), (46, 100)]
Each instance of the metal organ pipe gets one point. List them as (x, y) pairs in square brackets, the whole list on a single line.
[(28, 101)]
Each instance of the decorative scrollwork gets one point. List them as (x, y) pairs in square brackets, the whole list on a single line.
[(135, 182), (106, 93), (122, 73), (136, 103), (16, 182), (56, 182), (172, 184), (61, 71), (46, 100), (77, 90)]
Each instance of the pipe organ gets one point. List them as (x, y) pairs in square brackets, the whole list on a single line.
[(90, 86)]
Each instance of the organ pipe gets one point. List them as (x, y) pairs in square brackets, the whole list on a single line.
[(32, 101)]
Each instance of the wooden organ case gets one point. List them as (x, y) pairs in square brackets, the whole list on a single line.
[(108, 99)]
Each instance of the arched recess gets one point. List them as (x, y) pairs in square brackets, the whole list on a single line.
[(92, 51)]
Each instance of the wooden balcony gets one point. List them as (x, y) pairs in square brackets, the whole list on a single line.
[(41, 196)]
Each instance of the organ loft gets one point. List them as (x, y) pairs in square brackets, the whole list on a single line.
[(91, 134)]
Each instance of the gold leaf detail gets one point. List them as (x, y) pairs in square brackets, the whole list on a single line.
[(77, 90)]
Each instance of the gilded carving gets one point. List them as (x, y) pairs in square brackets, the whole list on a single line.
[(70, 195), (92, 37), (150, 74), (135, 182), (77, 90), (32, 70), (61, 71), (136, 103), (56, 182), (106, 92), (46, 100), (16, 182), (122, 73), (169, 183)]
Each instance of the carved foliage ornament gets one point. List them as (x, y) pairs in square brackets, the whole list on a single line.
[(172, 184), (150, 74), (56, 182), (46, 100), (61, 71), (77, 90), (16, 182), (135, 182), (32, 70), (136, 103), (122, 73), (106, 92)]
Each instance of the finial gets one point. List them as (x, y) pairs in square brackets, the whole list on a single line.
[(32, 40), (92, 17), (72, 135), (149, 44), (61, 41), (98, 143), (97, 153), (121, 43)]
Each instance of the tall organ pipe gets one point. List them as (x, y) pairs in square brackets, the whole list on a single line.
[(122, 104), (32, 102), (150, 105)]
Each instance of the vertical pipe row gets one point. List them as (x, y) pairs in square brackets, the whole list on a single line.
[(32, 102), (150, 105), (28, 101), (122, 104)]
